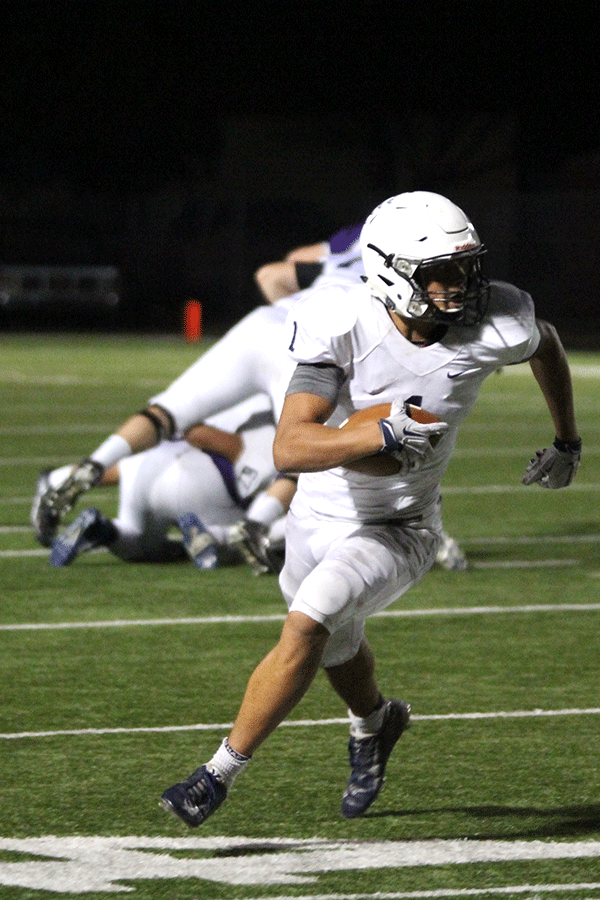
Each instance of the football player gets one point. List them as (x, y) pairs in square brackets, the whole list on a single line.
[(251, 358), (426, 329), (198, 485), (302, 266)]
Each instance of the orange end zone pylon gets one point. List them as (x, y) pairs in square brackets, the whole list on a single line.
[(192, 324)]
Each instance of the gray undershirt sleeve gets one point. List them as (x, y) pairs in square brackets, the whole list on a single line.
[(316, 378)]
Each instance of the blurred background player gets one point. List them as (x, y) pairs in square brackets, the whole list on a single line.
[(302, 266), (250, 359), (194, 485)]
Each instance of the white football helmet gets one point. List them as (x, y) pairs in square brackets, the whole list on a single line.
[(415, 238)]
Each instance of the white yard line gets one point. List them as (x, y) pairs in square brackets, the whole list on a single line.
[(279, 617), (464, 490), (525, 564), (297, 723), (81, 428), (536, 539), (440, 893)]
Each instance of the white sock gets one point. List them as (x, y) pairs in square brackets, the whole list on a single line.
[(277, 531), (227, 764), (360, 727), (59, 476), (111, 451), (265, 509)]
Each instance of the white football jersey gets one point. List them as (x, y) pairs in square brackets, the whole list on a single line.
[(351, 329), (251, 358)]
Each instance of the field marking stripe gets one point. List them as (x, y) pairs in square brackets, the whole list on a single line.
[(494, 564), (486, 540), (524, 564), (80, 428), (17, 554), (32, 461), (533, 539), (449, 892), (99, 494), (296, 723), (511, 488), (459, 453), (580, 370), (465, 490), (279, 617)]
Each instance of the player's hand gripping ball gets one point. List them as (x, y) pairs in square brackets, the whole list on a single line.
[(409, 433)]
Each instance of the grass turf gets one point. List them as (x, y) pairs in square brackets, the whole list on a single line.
[(493, 777)]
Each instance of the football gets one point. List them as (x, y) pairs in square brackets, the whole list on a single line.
[(382, 464)]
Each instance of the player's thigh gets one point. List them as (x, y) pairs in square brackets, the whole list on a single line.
[(135, 480), (360, 572), (229, 372)]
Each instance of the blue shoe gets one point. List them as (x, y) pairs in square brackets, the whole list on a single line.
[(196, 798), (90, 529), (199, 545), (368, 759)]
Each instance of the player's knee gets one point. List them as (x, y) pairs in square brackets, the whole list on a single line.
[(161, 419), (329, 589)]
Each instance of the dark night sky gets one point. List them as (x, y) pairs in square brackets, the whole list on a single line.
[(125, 92)]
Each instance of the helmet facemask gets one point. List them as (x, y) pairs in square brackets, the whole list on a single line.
[(458, 273)]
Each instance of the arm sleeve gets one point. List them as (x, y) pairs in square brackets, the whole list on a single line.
[(320, 379)]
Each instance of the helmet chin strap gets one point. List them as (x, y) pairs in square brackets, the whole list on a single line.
[(421, 332)]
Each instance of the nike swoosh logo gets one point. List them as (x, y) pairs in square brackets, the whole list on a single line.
[(464, 372)]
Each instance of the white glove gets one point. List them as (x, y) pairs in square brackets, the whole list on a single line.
[(555, 466), (405, 439)]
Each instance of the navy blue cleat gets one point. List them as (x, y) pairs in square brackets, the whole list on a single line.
[(368, 759), (199, 544), (196, 798), (90, 529)]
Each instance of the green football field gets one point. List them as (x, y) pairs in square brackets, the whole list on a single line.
[(117, 679)]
